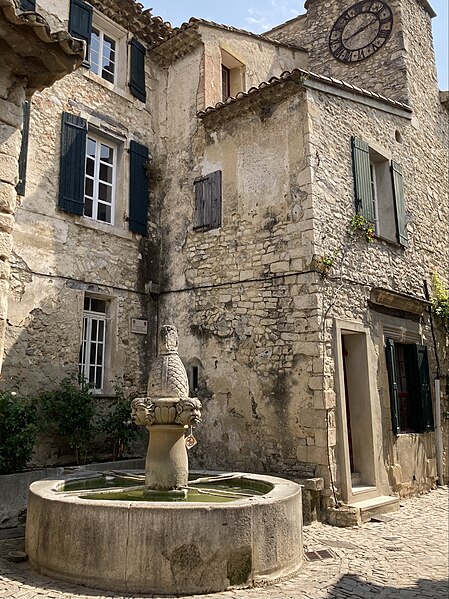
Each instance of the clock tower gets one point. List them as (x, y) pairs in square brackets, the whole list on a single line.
[(384, 46)]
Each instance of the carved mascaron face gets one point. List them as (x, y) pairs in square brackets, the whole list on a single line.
[(361, 31)]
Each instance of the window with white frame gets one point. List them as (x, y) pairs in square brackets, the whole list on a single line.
[(100, 176), (103, 55), (93, 346)]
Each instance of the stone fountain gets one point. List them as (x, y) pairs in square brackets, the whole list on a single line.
[(165, 533)]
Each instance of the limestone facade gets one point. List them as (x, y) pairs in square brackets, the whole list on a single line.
[(284, 319)]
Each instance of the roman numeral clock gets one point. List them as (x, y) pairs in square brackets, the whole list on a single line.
[(361, 31)]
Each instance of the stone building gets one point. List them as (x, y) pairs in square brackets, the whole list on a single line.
[(311, 348)]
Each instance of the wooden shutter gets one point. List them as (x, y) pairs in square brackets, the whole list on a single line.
[(137, 75), (422, 393), (73, 159), (138, 188), (28, 5), (398, 193), (200, 186), (215, 199), (80, 23), (393, 385), (362, 179), (20, 187)]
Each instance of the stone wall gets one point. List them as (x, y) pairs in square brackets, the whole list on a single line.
[(12, 95), (250, 310), (58, 257)]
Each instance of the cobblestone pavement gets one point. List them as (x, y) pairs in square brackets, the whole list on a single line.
[(405, 557)]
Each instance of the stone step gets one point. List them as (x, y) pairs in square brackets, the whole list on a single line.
[(376, 506)]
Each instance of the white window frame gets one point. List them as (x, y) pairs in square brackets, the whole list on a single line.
[(89, 316), (96, 178), (101, 35), (372, 168), (120, 35)]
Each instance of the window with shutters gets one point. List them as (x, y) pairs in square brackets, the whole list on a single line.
[(379, 195), (409, 382), (100, 180), (107, 56), (94, 343), (208, 202), (91, 179)]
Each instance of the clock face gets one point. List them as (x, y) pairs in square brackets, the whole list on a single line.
[(361, 31)]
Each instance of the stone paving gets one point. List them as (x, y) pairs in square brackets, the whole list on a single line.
[(404, 557)]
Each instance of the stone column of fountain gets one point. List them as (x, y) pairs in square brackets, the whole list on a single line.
[(166, 413)]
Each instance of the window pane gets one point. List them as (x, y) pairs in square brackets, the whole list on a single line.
[(99, 355), (88, 208), (104, 213), (98, 305), (105, 193), (93, 353), (106, 154), (98, 378), (91, 147), (106, 74), (101, 330), (89, 187), (90, 167), (106, 173), (92, 374), (93, 333)]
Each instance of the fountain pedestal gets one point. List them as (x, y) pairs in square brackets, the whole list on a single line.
[(166, 466)]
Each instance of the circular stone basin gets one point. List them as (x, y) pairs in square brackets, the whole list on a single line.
[(127, 543)]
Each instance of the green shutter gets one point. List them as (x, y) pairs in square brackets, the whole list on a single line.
[(137, 75), (20, 187), (421, 392), (73, 159), (398, 192), (392, 380), (28, 5), (362, 179), (80, 23), (138, 188)]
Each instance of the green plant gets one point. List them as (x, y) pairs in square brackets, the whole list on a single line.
[(359, 225), (17, 431), (69, 411), (440, 300), (118, 426)]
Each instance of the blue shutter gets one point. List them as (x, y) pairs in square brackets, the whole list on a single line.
[(393, 385), (28, 5), (80, 23), (398, 193), (138, 188), (422, 393), (73, 159), (362, 179), (137, 76), (20, 187)]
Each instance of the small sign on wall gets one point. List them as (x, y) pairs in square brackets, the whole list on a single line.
[(139, 326)]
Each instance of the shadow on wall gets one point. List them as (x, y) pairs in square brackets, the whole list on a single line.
[(353, 586)]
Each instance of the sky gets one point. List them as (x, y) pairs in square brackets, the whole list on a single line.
[(260, 15)]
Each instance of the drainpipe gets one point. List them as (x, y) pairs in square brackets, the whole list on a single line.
[(438, 432)]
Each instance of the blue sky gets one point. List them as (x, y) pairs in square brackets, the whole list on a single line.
[(260, 15)]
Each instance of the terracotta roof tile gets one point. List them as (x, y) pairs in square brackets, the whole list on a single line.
[(299, 75), (183, 39)]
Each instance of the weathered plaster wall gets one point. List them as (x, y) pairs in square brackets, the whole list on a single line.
[(59, 256)]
